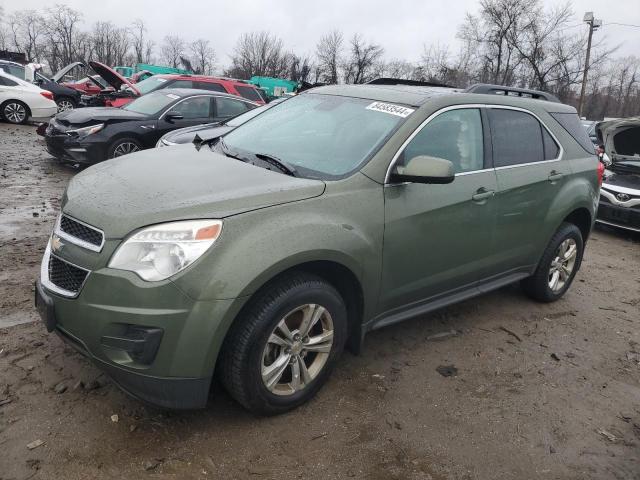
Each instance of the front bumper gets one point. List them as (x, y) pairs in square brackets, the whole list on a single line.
[(111, 304), (68, 149), (618, 213)]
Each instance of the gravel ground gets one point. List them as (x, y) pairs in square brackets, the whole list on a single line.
[(541, 391)]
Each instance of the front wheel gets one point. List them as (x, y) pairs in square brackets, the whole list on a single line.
[(558, 266), (16, 112), (123, 146), (282, 350), (65, 103)]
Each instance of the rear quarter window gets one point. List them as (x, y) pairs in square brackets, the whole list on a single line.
[(571, 123), (249, 93)]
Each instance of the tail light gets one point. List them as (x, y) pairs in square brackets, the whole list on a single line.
[(47, 94), (600, 172)]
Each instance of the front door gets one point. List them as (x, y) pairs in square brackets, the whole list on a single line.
[(438, 237), (194, 111)]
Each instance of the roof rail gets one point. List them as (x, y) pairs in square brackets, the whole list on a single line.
[(400, 81), (490, 89)]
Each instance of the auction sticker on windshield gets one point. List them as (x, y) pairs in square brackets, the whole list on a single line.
[(391, 109)]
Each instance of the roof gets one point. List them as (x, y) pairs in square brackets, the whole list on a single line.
[(416, 96), (190, 92), (203, 77), (402, 94)]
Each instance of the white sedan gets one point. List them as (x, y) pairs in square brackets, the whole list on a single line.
[(21, 101)]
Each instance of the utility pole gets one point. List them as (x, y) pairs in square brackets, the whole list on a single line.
[(594, 24)]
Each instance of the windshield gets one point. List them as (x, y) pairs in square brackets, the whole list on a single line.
[(152, 103), (150, 84), (320, 135)]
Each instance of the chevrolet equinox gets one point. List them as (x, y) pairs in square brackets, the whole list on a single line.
[(259, 256)]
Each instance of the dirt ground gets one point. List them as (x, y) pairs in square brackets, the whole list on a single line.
[(541, 391)]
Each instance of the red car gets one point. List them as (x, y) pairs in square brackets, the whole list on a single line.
[(202, 82)]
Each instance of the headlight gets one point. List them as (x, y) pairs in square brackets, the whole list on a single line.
[(158, 252), (86, 131)]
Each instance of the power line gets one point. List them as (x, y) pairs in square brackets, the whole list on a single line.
[(621, 24)]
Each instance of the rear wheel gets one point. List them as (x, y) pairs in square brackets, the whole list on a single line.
[(558, 266), (16, 112), (65, 103), (282, 351), (123, 146)]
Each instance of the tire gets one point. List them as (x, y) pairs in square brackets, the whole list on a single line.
[(539, 285), (15, 111), (65, 103), (249, 353), (123, 146)]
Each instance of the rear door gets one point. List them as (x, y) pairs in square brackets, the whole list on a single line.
[(227, 108), (438, 237), (530, 172)]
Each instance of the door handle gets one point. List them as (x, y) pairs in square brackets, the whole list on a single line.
[(482, 194), (555, 176)]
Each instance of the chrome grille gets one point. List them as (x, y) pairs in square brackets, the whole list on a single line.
[(80, 233), (66, 276)]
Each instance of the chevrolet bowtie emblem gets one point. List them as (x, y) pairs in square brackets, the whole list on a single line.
[(56, 243)]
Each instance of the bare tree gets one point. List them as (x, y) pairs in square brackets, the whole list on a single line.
[(259, 53), (203, 55), (61, 26), (26, 33), (329, 55), (172, 48), (110, 43), (142, 46), (359, 67)]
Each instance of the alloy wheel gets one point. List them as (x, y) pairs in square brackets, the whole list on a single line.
[(297, 349), (125, 148), (15, 113), (562, 264), (64, 105)]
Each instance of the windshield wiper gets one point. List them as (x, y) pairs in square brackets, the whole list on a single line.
[(281, 165)]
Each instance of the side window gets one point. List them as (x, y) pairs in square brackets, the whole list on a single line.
[(16, 71), (196, 107), (180, 84), (455, 135), (228, 107), (571, 123), (516, 137), (249, 93), (216, 87), (551, 149), (7, 82)]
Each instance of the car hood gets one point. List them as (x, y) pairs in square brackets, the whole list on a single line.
[(112, 77), (178, 183), (81, 116), (59, 75), (621, 137), (205, 132)]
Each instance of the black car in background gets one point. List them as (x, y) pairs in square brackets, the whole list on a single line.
[(90, 135), (211, 131), (66, 98)]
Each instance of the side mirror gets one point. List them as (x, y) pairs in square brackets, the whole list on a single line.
[(424, 169), (173, 115)]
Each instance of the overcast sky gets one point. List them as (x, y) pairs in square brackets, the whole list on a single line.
[(402, 27)]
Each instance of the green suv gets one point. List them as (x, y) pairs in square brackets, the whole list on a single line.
[(259, 257)]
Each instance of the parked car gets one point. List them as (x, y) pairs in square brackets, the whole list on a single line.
[(21, 101), (590, 127), (212, 131), (89, 85), (233, 87), (619, 204), (120, 90), (66, 98), (342, 210), (90, 135)]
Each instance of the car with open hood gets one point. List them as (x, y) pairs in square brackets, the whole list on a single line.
[(212, 131), (119, 92), (66, 98), (619, 204), (93, 134), (258, 257)]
